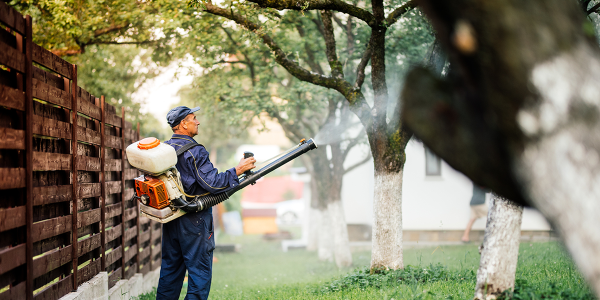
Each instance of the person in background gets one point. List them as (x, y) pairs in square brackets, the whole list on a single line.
[(478, 210)]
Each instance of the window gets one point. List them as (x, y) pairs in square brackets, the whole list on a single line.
[(433, 164)]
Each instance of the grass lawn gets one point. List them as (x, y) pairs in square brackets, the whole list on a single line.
[(262, 271)]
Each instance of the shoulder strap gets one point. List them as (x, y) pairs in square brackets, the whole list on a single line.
[(187, 147)]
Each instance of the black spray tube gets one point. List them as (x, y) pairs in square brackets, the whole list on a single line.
[(202, 203)]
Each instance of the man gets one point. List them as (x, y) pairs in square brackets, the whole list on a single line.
[(188, 242), (478, 210)]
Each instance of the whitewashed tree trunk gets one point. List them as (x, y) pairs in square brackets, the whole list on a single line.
[(314, 220), (387, 222), (341, 243), (325, 250), (500, 249)]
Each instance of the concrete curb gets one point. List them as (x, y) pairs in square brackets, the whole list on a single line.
[(97, 287)]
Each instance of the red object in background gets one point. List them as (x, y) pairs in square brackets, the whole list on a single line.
[(273, 190)]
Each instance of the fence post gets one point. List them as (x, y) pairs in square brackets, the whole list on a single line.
[(102, 188), (137, 206), (74, 173), (29, 154), (123, 193)]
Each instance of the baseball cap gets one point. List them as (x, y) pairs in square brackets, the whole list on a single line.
[(175, 115)]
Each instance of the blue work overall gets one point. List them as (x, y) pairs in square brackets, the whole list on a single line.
[(188, 242)]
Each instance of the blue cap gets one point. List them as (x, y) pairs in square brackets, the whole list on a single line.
[(175, 115)]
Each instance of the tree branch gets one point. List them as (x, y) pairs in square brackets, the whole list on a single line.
[(395, 15), (312, 62), (357, 101), (337, 5), (364, 61), (593, 9), (102, 31), (334, 63)]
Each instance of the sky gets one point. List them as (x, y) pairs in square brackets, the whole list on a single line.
[(159, 94)]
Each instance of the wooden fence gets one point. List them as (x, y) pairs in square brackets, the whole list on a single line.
[(66, 212)]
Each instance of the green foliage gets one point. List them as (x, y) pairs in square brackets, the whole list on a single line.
[(362, 278), (526, 291)]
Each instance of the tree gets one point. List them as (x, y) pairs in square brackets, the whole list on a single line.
[(500, 249), (386, 136), (519, 111), (243, 87)]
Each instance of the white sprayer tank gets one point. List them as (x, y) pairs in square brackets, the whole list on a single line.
[(151, 155)]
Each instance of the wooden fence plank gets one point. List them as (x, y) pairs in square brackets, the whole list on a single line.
[(86, 218), (145, 269), (87, 163), (15, 292), (113, 233), (130, 233), (131, 173), (12, 138), (88, 135), (131, 252), (112, 141), (128, 194), (11, 258), (145, 253), (144, 220), (113, 119), (155, 251), (12, 58), (156, 263), (49, 228), (12, 98), (88, 244), (88, 190), (51, 261), (113, 210), (57, 290), (131, 271), (113, 256), (114, 277), (51, 194), (89, 109), (12, 178), (46, 161), (48, 93), (130, 213), (144, 236), (11, 18), (112, 164), (86, 273), (51, 61), (12, 218), (51, 127), (113, 187)]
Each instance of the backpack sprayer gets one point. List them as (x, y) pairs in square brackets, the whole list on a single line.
[(160, 192)]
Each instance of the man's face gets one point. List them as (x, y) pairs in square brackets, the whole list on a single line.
[(190, 125)]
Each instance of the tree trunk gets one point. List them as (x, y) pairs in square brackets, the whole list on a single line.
[(314, 216), (500, 249), (325, 250), (519, 114), (341, 244), (387, 221), (314, 219)]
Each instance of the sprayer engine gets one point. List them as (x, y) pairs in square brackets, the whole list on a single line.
[(160, 191)]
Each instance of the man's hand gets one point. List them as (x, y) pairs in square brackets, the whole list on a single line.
[(245, 165)]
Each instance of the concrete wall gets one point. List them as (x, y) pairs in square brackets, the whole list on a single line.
[(428, 202), (97, 287)]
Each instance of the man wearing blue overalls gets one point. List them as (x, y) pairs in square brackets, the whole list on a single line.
[(188, 242)]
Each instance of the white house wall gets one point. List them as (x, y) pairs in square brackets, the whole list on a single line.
[(428, 202)]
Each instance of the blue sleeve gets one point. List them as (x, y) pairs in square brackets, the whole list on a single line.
[(207, 175)]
